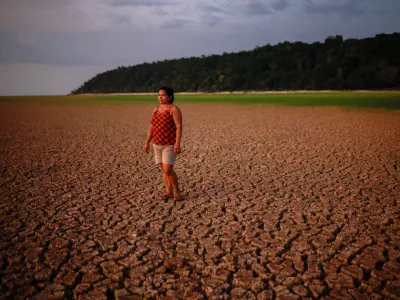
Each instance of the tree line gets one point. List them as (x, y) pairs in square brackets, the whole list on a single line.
[(335, 64)]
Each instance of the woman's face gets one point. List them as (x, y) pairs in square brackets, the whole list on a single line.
[(163, 98)]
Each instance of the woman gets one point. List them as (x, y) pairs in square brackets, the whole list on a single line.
[(166, 132)]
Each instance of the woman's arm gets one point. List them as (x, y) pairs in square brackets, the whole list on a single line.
[(148, 139), (177, 115)]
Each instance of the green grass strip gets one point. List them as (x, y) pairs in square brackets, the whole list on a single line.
[(387, 100), (368, 100)]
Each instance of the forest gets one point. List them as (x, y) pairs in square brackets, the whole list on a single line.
[(336, 64)]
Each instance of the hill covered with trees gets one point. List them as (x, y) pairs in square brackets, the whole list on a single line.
[(336, 64)]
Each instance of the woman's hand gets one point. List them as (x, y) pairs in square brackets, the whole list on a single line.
[(177, 148), (177, 115), (146, 148)]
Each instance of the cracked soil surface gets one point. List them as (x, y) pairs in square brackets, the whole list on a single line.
[(280, 203)]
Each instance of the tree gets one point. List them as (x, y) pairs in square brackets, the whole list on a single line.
[(371, 63)]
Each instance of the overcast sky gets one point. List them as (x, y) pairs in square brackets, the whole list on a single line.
[(53, 46)]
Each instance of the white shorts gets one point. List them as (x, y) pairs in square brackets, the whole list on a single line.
[(164, 154)]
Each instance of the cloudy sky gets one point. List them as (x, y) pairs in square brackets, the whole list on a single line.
[(53, 46)]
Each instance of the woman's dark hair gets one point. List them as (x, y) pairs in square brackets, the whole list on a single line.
[(169, 91)]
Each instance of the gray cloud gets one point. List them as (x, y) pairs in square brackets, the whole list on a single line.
[(217, 12), (344, 7), (138, 2), (43, 79), (279, 4), (211, 14), (211, 20), (212, 8), (175, 23), (383, 6), (58, 50), (43, 3), (348, 8), (256, 8), (158, 11), (117, 20)]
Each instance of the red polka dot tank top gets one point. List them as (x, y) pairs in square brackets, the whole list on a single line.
[(164, 129)]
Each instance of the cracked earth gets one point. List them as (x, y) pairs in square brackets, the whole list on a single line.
[(280, 203)]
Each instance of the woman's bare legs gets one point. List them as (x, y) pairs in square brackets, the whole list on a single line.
[(170, 177), (168, 186)]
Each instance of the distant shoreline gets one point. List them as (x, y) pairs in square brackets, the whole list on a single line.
[(243, 92), (207, 93)]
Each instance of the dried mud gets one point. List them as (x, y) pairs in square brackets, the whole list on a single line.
[(280, 203)]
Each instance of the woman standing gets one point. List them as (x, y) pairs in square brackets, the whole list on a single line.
[(166, 132)]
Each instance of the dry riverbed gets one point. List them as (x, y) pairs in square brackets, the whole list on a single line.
[(280, 203)]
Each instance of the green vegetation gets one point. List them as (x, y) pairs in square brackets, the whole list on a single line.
[(388, 100), (373, 100), (336, 64)]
